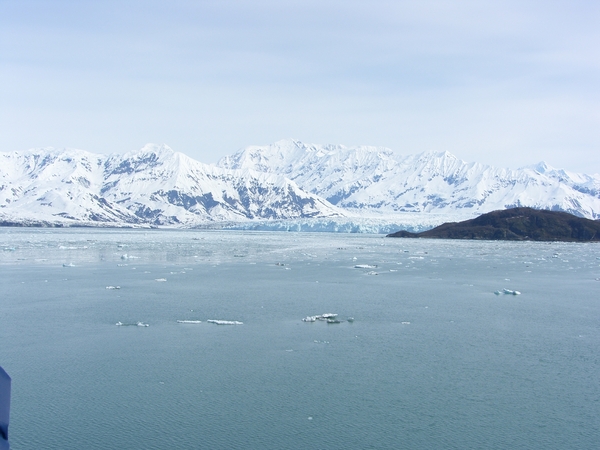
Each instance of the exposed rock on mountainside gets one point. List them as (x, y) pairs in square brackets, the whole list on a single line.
[(517, 224)]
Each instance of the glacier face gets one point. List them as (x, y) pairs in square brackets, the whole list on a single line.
[(154, 186), (376, 179)]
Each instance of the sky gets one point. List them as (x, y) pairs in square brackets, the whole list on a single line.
[(507, 83)]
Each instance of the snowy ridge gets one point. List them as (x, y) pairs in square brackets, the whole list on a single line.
[(154, 186), (363, 179), (288, 185)]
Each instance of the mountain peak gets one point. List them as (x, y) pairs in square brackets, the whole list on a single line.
[(541, 167), (161, 150)]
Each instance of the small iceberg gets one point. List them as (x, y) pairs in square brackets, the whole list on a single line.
[(189, 321), (365, 266), (110, 288), (508, 292), (161, 280), (324, 317), (69, 265), (137, 324), (225, 322)]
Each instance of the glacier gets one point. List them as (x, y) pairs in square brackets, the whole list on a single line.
[(288, 186), (364, 180)]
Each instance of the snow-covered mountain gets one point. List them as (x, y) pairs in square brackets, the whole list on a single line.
[(378, 180), (286, 185), (152, 186)]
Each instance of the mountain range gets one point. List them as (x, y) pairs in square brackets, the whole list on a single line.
[(154, 186), (377, 179), (286, 182)]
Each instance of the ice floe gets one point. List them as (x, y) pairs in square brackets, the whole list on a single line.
[(507, 291), (137, 324), (189, 321), (328, 317), (365, 266), (69, 265), (225, 322), (110, 288), (160, 279)]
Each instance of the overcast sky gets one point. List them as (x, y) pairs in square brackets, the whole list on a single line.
[(501, 82)]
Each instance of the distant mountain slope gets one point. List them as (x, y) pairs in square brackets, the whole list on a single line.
[(152, 186), (517, 224), (377, 179)]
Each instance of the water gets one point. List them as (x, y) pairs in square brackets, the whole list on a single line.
[(433, 359)]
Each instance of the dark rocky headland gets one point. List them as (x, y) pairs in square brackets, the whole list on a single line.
[(516, 224)]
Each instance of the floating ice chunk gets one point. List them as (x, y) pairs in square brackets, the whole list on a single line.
[(365, 266), (189, 321), (324, 317), (137, 324), (113, 287), (333, 321), (350, 319), (225, 322), (405, 323), (372, 272), (160, 279), (498, 292), (126, 256), (510, 292)]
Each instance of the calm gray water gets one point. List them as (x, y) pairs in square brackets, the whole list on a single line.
[(433, 360)]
